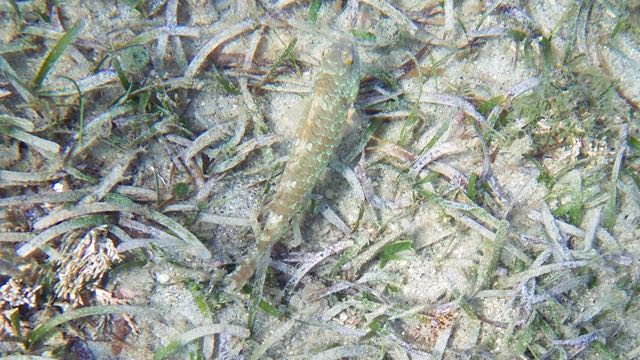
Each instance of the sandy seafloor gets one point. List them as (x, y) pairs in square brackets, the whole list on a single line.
[(429, 298)]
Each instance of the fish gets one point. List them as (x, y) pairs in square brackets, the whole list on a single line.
[(319, 133)]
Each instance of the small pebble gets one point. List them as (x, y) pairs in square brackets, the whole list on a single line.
[(163, 278)]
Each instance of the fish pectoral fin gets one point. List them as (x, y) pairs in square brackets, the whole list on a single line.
[(350, 114), (296, 240), (353, 121)]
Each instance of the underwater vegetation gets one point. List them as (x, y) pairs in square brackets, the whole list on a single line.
[(319, 179)]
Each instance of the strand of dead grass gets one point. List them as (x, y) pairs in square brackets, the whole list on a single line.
[(601, 233), (435, 153), (243, 151), (333, 218), (159, 32), (42, 331), (138, 194), (171, 21), (351, 178), (14, 178), (309, 264), (198, 332), (593, 221), (111, 179), (207, 138), (18, 84), (276, 336), (146, 229), (59, 229), (46, 148), (63, 215), (355, 264), (394, 14), (225, 220), (541, 270), (87, 84), (256, 115), (621, 148), (100, 127), (22, 123), (56, 51), (559, 244), (453, 101), (347, 351), (14, 237), (229, 33)]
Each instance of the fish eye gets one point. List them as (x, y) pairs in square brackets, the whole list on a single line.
[(347, 57)]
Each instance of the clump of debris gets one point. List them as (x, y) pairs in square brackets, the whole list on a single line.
[(83, 266), (13, 295), (74, 278)]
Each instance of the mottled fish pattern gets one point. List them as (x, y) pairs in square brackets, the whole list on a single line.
[(319, 134)]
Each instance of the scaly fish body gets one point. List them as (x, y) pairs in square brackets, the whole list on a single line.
[(318, 136)]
